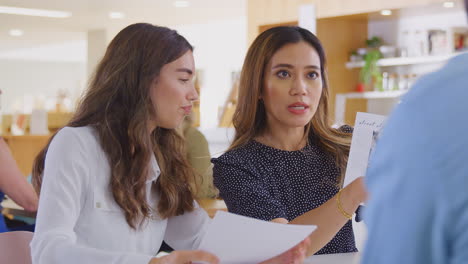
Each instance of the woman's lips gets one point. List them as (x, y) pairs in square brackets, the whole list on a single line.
[(187, 109), (298, 108)]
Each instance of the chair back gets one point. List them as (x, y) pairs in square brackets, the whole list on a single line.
[(14, 247)]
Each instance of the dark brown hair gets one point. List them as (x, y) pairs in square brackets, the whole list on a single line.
[(118, 106), (249, 117)]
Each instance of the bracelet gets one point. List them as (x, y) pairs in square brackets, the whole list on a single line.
[(340, 206)]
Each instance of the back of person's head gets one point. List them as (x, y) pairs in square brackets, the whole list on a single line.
[(118, 105)]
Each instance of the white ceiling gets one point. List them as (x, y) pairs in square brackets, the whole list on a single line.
[(93, 14)]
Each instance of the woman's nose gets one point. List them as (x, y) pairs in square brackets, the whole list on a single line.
[(299, 87)]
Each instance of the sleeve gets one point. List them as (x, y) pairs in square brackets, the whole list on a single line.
[(185, 232), (244, 193), (346, 129), (66, 177), (199, 157)]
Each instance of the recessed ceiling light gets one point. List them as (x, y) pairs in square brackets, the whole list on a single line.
[(181, 3), (449, 4), (116, 15), (34, 12), (386, 12), (16, 32)]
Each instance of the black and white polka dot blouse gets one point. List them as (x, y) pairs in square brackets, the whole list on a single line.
[(266, 183)]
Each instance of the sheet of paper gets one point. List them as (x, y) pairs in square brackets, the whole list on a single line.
[(238, 239), (366, 132)]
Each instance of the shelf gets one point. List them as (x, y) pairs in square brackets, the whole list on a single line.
[(373, 95), (340, 101), (405, 60)]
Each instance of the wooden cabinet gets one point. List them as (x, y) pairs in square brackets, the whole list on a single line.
[(25, 149)]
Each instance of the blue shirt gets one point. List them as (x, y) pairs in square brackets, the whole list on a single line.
[(418, 175)]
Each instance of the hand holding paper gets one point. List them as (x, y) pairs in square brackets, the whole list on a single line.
[(366, 131), (239, 239)]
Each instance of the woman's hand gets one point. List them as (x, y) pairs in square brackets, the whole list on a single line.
[(295, 255), (185, 257)]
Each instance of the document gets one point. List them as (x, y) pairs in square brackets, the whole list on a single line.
[(236, 239), (367, 129)]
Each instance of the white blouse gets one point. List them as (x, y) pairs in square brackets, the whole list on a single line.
[(78, 220)]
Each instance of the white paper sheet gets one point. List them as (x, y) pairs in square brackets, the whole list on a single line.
[(366, 131), (238, 239)]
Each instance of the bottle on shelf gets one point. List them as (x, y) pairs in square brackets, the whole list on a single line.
[(385, 83), (392, 82), (412, 79), (403, 82)]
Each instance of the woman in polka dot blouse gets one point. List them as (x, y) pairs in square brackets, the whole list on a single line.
[(286, 164)]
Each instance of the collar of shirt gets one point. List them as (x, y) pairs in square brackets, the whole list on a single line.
[(155, 171)]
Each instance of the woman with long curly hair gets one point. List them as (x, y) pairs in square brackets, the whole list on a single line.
[(115, 182), (286, 163)]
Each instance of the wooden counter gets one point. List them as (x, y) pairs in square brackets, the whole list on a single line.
[(24, 149)]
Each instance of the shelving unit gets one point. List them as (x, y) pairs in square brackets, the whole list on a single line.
[(373, 95), (340, 103), (341, 98), (400, 61)]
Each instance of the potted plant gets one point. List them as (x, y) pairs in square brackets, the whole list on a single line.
[(370, 75)]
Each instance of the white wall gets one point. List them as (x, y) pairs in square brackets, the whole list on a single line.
[(41, 71), (220, 48)]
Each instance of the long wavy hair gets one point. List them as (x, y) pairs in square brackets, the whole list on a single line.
[(249, 117), (118, 106)]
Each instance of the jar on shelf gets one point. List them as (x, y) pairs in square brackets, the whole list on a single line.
[(393, 82), (403, 82), (412, 79)]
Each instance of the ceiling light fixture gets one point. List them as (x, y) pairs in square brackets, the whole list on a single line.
[(116, 15), (449, 4), (386, 12), (180, 3), (33, 12), (16, 32)]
